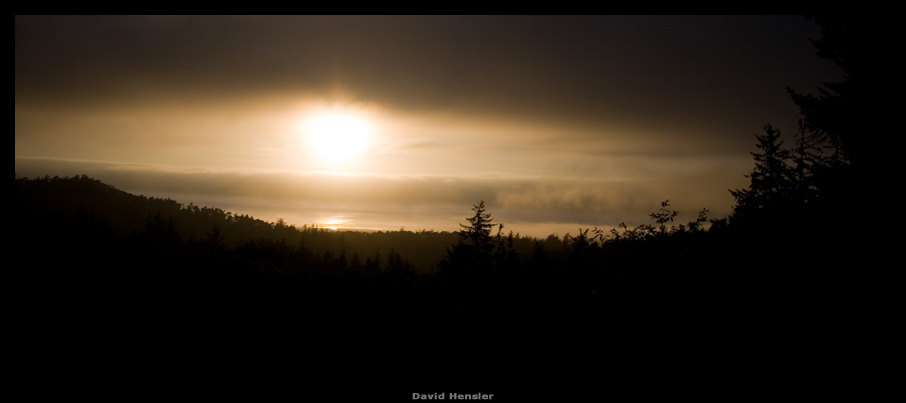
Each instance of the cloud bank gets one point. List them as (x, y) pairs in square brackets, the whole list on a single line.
[(527, 200)]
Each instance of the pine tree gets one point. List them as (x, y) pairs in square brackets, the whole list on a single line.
[(478, 232), (772, 180), (473, 256), (831, 116)]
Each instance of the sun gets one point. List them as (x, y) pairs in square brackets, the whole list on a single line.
[(338, 138)]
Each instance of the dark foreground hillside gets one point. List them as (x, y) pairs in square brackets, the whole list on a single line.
[(104, 271)]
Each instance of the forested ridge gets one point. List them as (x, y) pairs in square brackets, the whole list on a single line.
[(663, 269)]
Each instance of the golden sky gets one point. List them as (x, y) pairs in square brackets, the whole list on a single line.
[(556, 122)]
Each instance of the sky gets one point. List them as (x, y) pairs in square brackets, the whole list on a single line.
[(557, 123)]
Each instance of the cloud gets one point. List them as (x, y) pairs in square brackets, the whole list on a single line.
[(529, 200), (685, 76)]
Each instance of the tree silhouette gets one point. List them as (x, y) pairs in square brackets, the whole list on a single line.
[(398, 270), (472, 257), (829, 116), (215, 238), (772, 180), (663, 216), (478, 232)]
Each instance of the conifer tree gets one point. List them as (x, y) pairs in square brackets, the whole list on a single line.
[(478, 232), (831, 115), (473, 256), (772, 180)]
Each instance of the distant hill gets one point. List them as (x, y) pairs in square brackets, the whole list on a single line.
[(56, 201)]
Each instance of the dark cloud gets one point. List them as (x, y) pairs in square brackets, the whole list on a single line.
[(659, 72)]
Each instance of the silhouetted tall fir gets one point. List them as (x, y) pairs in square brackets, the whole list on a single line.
[(214, 241), (399, 270), (355, 263), (831, 115), (772, 180), (478, 232), (373, 266)]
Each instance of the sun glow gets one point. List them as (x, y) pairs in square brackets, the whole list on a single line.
[(334, 223), (338, 138)]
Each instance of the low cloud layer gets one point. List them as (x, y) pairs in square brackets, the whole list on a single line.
[(539, 200)]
